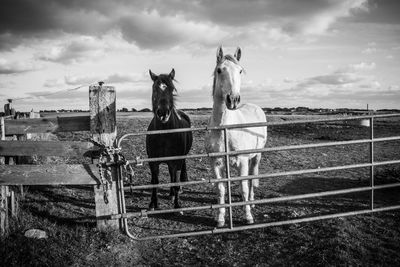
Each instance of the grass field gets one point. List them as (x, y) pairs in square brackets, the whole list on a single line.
[(67, 213)]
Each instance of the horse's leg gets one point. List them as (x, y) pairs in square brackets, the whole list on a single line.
[(154, 168), (244, 171), (253, 170), (217, 166), (183, 176), (172, 168)]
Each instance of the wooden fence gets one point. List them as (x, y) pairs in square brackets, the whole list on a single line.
[(101, 123)]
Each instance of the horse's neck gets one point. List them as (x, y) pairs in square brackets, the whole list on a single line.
[(218, 112)]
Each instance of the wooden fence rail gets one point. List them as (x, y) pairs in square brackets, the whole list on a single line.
[(47, 148), (48, 125)]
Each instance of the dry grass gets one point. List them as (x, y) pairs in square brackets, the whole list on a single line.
[(67, 213)]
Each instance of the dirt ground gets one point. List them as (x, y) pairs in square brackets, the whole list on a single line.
[(66, 213)]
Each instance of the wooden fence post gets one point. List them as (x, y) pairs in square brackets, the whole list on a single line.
[(103, 129), (3, 210), (3, 194)]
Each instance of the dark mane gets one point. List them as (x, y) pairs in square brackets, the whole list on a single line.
[(165, 78)]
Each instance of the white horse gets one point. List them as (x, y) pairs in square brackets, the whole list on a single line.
[(226, 110)]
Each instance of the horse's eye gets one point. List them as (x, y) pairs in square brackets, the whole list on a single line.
[(241, 71), (219, 70)]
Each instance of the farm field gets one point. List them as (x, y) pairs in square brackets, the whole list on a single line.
[(67, 213)]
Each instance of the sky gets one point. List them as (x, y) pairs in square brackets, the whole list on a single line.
[(314, 53)]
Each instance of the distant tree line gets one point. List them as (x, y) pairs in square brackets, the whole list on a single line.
[(63, 110), (296, 110)]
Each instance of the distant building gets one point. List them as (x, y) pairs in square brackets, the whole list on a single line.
[(8, 108)]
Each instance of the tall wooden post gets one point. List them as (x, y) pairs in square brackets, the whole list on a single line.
[(3, 194), (103, 130), (3, 210)]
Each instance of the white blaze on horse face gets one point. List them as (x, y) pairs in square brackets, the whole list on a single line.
[(162, 86)]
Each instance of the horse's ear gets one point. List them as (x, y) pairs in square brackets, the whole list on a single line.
[(238, 53), (220, 54), (172, 74), (153, 76)]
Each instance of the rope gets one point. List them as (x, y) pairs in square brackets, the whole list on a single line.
[(54, 93)]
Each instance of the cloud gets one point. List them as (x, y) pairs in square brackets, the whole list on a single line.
[(54, 83), (370, 86), (336, 78), (151, 30), (14, 67), (111, 78), (196, 97), (347, 80), (369, 50), (79, 80), (362, 66), (77, 50), (383, 12), (288, 80), (394, 88), (127, 78), (164, 24), (322, 15)]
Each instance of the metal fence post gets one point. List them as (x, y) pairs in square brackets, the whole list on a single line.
[(228, 176), (371, 150)]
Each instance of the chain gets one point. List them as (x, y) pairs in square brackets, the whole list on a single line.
[(2, 202), (129, 173), (105, 175), (112, 155)]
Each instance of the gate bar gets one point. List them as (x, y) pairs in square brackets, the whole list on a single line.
[(256, 124), (257, 202), (269, 175), (267, 149), (263, 225)]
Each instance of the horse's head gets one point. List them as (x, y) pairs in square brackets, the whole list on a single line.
[(163, 95), (227, 78)]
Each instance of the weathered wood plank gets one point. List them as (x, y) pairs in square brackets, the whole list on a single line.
[(3, 210), (2, 136), (63, 174), (46, 148), (103, 130), (14, 207), (2, 129), (48, 125), (3, 193)]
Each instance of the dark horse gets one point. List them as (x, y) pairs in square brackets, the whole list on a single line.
[(166, 116)]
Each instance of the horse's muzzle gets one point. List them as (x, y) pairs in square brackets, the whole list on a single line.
[(163, 115), (232, 101)]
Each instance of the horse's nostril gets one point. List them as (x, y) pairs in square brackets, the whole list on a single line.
[(228, 99), (219, 70)]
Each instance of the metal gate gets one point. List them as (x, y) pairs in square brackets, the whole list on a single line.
[(228, 179)]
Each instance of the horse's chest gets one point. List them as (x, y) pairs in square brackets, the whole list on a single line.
[(165, 145), (216, 140)]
